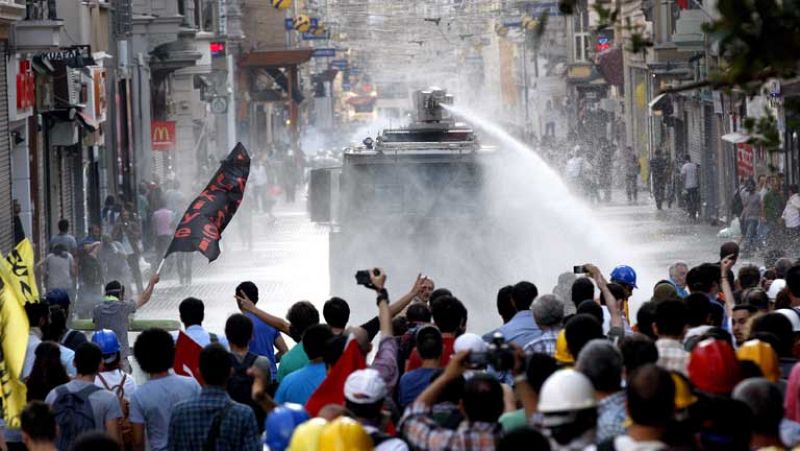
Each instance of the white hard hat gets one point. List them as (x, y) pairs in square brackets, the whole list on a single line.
[(469, 342), (566, 390), (793, 316), (775, 288)]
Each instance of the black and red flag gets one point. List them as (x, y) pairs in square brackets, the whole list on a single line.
[(200, 228)]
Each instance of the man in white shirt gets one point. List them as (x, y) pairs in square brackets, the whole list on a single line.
[(691, 183), (192, 312), (791, 215), (258, 177)]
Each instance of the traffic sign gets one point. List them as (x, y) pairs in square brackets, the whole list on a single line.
[(289, 23), (324, 53), (310, 36), (339, 64)]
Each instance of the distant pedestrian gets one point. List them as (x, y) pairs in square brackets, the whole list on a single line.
[(64, 237), (90, 272), (658, 176), (751, 215), (791, 217), (632, 170), (110, 214), (58, 270), (690, 173), (163, 228), (258, 177)]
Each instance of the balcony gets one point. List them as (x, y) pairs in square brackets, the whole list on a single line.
[(11, 11)]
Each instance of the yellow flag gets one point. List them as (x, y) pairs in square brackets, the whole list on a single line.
[(14, 330), (22, 278)]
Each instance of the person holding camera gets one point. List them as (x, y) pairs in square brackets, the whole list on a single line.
[(482, 405)]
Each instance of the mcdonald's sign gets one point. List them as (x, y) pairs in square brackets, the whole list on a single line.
[(162, 135)]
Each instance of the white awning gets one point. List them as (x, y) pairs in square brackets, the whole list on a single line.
[(736, 137)]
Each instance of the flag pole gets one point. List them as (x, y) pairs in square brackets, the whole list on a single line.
[(161, 265)]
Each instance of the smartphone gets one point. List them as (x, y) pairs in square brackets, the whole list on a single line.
[(579, 269)]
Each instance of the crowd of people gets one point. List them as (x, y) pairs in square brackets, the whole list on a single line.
[(708, 363)]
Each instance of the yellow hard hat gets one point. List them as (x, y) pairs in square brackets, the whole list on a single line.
[(683, 392), (344, 434), (302, 23), (281, 5), (306, 436), (762, 354), (563, 356)]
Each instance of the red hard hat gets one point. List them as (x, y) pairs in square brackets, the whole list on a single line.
[(713, 367)]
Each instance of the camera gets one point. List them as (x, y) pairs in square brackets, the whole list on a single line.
[(363, 277), (499, 355), (579, 269)]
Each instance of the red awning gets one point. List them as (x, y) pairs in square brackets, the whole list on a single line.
[(276, 58), (609, 64)]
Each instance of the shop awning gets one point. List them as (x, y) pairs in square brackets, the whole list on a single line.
[(736, 137), (87, 122), (276, 58)]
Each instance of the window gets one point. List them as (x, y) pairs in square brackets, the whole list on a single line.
[(581, 49)]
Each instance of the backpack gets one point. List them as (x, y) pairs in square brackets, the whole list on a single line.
[(125, 428), (240, 386), (74, 414)]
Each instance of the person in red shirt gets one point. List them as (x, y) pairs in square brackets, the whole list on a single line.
[(450, 316)]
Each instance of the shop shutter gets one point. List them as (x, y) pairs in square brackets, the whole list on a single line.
[(6, 206)]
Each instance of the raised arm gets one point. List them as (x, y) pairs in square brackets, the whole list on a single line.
[(611, 302), (246, 305), (144, 296), (725, 265), (399, 305)]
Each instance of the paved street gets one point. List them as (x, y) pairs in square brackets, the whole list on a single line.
[(289, 260)]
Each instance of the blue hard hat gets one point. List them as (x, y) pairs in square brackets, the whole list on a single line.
[(57, 296), (107, 341), (280, 425), (625, 275)]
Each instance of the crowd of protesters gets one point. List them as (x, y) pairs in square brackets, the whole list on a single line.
[(708, 363)]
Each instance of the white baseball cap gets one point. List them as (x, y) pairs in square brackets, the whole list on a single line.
[(365, 387), (775, 288), (469, 342)]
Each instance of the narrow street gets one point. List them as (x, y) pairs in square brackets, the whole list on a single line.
[(289, 261)]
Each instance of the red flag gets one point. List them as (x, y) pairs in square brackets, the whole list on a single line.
[(187, 357), (331, 391), (200, 228)]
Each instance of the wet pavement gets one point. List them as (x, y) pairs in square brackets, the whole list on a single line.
[(289, 259)]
